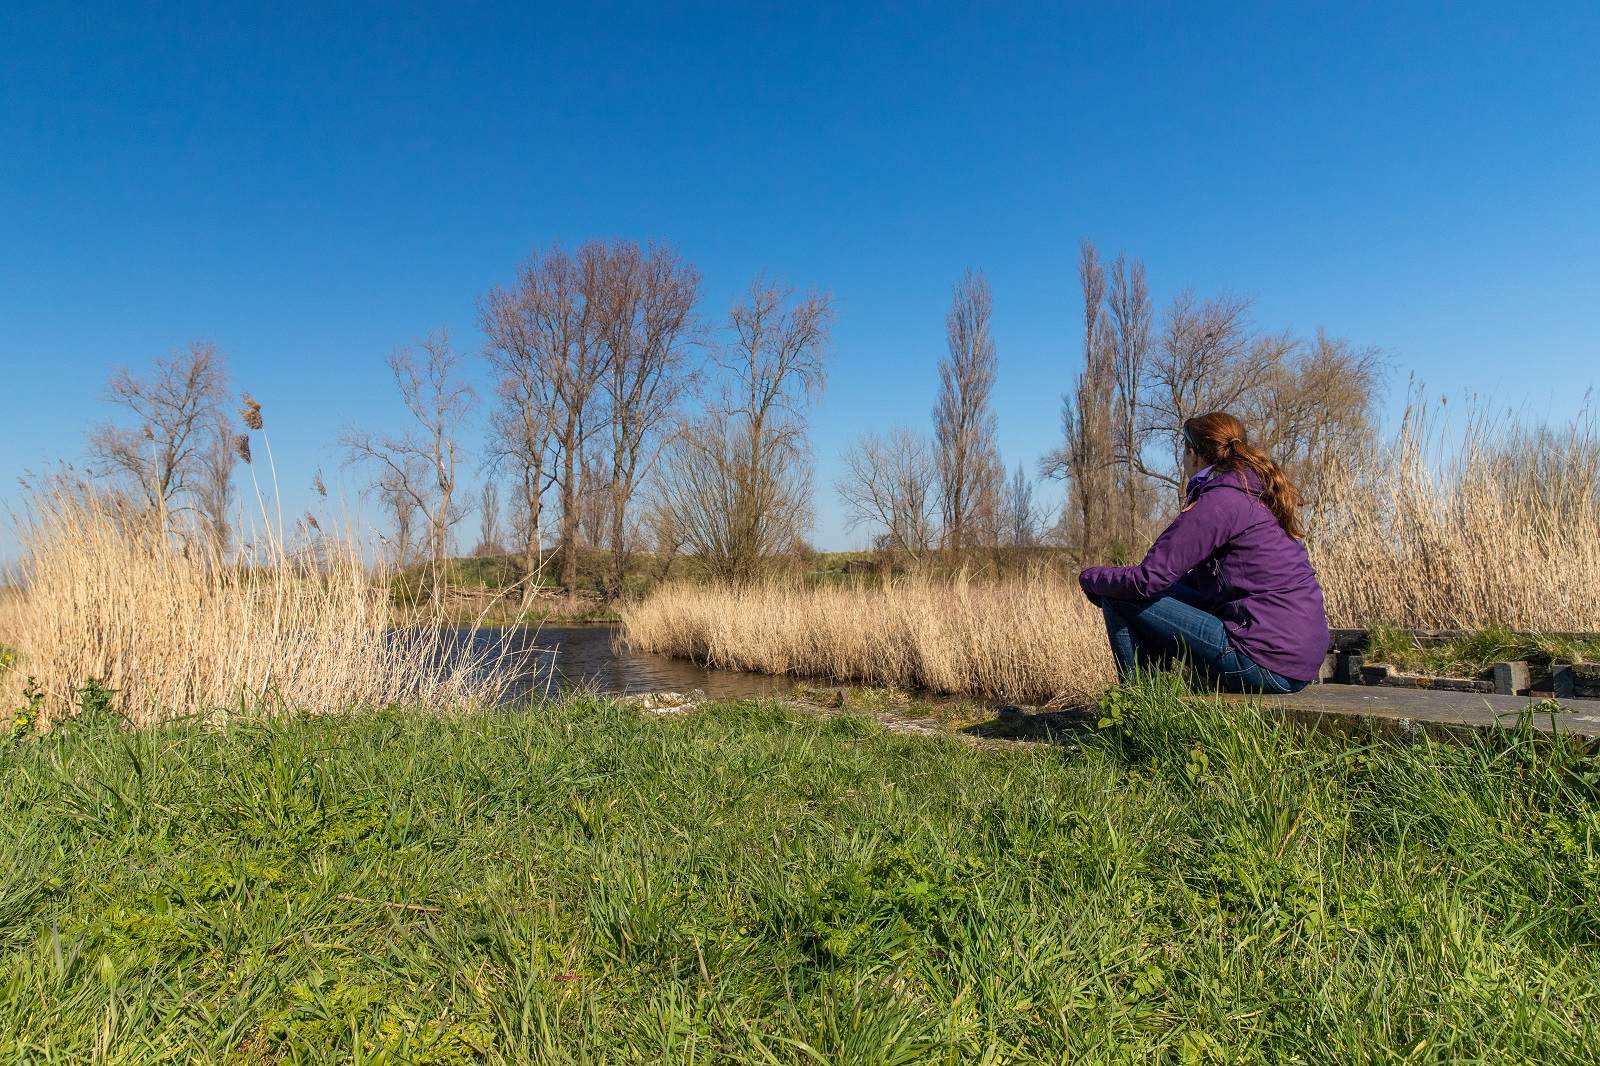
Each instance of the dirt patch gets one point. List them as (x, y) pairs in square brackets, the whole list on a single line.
[(894, 712)]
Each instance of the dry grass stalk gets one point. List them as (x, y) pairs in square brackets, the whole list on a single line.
[(1036, 641), (176, 629)]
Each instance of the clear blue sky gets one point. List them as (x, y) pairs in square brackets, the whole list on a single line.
[(311, 186)]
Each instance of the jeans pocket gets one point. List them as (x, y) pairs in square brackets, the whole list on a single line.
[(1276, 684), (1239, 673)]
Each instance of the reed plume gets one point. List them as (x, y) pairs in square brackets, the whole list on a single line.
[(250, 413)]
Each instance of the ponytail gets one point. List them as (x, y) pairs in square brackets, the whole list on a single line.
[(1219, 439)]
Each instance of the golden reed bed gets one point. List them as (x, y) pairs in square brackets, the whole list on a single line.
[(1034, 641), (1491, 525), (106, 592)]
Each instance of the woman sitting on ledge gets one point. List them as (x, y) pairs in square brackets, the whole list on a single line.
[(1227, 587)]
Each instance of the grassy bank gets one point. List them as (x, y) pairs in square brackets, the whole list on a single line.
[(1470, 654), (1035, 640), (748, 884), (493, 590)]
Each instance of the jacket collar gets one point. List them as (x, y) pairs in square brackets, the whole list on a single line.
[(1244, 479), (1200, 478)]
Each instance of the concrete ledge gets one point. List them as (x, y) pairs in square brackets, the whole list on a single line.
[(1415, 711)]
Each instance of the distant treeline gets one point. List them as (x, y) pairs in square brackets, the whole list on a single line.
[(622, 417)]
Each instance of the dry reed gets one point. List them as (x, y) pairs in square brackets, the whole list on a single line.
[(108, 591), (1487, 523), (1036, 641)]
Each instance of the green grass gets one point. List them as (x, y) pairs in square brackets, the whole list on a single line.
[(579, 883), (1474, 653)]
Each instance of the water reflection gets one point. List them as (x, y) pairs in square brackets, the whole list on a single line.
[(557, 658)]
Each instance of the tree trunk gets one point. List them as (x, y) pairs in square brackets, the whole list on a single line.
[(569, 519)]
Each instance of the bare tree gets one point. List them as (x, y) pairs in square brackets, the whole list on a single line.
[(590, 351), (650, 327), (546, 343), (527, 365), (964, 423), (182, 445), (546, 337), (488, 520), (395, 495), (1201, 364), (1019, 517), (1088, 449), (594, 499), (1305, 404), (213, 490), (1316, 407), (422, 465), (1129, 312), (525, 533), (573, 321), (659, 527), (737, 487), (892, 483)]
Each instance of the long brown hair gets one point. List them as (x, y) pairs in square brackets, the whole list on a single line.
[(1219, 440)]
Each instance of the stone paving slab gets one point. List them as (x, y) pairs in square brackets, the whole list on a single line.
[(1411, 710), (1351, 709), (1400, 712)]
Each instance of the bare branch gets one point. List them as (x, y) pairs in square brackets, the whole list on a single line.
[(172, 451), (891, 483), (417, 469), (737, 488)]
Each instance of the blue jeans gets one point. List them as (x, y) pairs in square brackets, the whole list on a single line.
[(1145, 634)]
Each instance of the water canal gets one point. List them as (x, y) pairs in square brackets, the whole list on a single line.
[(551, 659)]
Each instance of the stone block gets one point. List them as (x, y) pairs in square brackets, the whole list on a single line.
[(1586, 680), (1347, 640), (1458, 684), (1562, 682), (1510, 679), (1347, 669)]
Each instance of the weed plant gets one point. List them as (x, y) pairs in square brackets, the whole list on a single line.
[(579, 883)]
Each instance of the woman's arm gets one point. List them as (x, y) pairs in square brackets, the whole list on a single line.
[(1192, 538)]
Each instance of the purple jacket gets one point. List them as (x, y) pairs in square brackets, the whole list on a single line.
[(1249, 572)]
